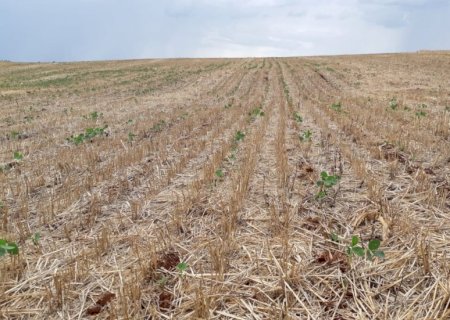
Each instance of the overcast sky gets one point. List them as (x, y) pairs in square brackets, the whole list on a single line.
[(67, 30)]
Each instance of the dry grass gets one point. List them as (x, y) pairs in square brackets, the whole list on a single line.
[(171, 181)]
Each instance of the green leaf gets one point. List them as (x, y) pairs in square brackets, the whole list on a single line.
[(8, 247), (321, 194), (18, 155), (182, 266), (358, 251), (329, 183), (35, 238), (334, 237), (379, 254), (355, 240), (219, 173), (374, 244), (13, 249)]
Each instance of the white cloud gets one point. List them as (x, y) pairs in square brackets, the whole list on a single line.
[(110, 29)]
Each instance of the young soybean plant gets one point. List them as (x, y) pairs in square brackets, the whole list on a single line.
[(337, 106), (219, 173), (369, 252), (18, 155), (306, 136), (8, 247), (239, 136), (182, 267), (393, 103), (326, 182), (297, 117)]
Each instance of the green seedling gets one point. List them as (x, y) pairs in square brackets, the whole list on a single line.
[(162, 282), (219, 173), (239, 136), (76, 140), (182, 267), (93, 115), (89, 134), (8, 247), (306, 136), (18, 155), (35, 238), (231, 157), (14, 135), (447, 108), (354, 249), (184, 116), (255, 113), (159, 126), (334, 237), (131, 136), (372, 250), (336, 106), (421, 114), (130, 121), (228, 106), (93, 132), (368, 253), (393, 104), (297, 117), (326, 182)]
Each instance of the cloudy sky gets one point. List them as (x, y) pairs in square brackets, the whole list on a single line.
[(67, 30)]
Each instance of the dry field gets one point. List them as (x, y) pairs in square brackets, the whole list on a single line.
[(188, 189)]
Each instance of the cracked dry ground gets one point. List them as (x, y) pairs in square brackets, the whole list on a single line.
[(199, 200)]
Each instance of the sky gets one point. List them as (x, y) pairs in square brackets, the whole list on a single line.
[(76, 30)]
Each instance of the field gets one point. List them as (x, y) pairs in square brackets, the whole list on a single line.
[(276, 188)]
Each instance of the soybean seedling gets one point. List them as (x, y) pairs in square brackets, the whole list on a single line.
[(93, 115), (35, 238), (393, 104), (239, 136), (420, 114), (8, 247), (219, 173), (306, 136), (89, 134), (336, 106), (369, 252), (18, 155), (255, 113), (297, 117), (182, 267), (14, 135), (131, 136), (159, 126), (334, 237), (326, 182), (162, 282)]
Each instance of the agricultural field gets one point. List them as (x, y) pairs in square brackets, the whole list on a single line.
[(275, 188)]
